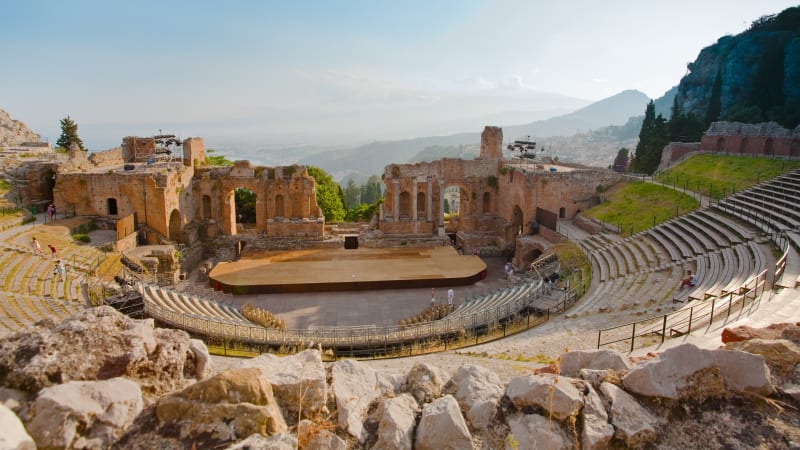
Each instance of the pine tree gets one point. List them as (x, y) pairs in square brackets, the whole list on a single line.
[(69, 135), (652, 139)]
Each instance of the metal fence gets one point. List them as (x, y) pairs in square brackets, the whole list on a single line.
[(683, 321), (524, 312)]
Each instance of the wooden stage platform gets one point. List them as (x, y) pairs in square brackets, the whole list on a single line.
[(318, 270)]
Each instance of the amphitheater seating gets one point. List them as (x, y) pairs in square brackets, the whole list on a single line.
[(21, 311), (191, 305), (770, 206)]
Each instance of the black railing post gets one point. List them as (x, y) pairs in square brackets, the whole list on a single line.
[(691, 315), (664, 329), (633, 336)]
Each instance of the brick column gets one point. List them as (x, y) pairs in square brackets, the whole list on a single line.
[(440, 217), (396, 199), (414, 200), (429, 200)]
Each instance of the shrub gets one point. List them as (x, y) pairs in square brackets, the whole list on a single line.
[(83, 238)]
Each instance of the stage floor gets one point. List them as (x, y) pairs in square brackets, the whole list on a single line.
[(339, 269)]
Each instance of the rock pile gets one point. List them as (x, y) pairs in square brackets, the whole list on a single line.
[(13, 132), (102, 380)]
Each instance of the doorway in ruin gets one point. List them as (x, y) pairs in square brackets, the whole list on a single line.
[(206, 207), (405, 205), (279, 206), (244, 201), (111, 206), (517, 219), (420, 205), (452, 203), (175, 226)]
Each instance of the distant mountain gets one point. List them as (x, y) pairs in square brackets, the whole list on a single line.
[(13, 132), (751, 77), (663, 104), (372, 158), (614, 110)]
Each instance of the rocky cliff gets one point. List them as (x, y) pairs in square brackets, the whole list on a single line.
[(101, 380), (751, 77), (13, 132)]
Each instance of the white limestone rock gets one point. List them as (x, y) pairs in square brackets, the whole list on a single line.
[(781, 354), (670, 374), (442, 427), (204, 366), (318, 439), (425, 382), (478, 390), (633, 424), (13, 435), (84, 414), (596, 432), (282, 441), (535, 432), (298, 381), (397, 419), (535, 390), (572, 362), (355, 386)]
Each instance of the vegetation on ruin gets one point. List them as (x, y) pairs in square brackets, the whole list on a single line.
[(213, 159), (637, 206), (69, 135), (245, 201), (330, 196), (717, 176)]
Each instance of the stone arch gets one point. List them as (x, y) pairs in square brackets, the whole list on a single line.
[(720, 146), (487, 202), (517, 219), (111, 206), (421, 205), (279, 206), (175, 226), (206, 207), (405, 205)]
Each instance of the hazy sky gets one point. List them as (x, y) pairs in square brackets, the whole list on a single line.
[(299, 71)]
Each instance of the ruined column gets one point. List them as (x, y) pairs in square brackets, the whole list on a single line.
[(429, 199), (261, 210), (414, 200), (396, 199), (440, 217)]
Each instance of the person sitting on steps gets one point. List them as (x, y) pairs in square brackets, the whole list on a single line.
[(690, 280)]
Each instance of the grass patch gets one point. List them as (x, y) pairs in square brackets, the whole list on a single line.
[(636, 206), (716, 176)]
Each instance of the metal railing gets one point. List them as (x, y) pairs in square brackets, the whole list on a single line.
[(683, 321), (381, 339)]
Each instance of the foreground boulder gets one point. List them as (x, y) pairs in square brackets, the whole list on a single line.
[(298, 381), (479, 391), (557, 396), (781, 355), (13, 436), (532, 431), (313, 436), (596, 432), (745, 333), (397, 419), (228, 406), (687, 371), (99, 344), (355, 386), (84, 414), (425, 382), (442, 427), (633, 424), (572, 362)]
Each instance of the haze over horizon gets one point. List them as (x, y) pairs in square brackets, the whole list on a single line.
[(279, 73)]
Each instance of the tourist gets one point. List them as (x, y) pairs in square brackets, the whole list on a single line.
[(60, 270), (474, 251), (450, 295), (36, 248), (49, 213), (690, 280), (433, 297), (52, 250)]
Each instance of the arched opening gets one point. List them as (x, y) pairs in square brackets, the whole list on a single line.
[(795, 150), (487, 202), (720, 144), (245, 203), (768, 147), (279, 206), (562, 213), (405, 205), (420, 205), (517, 219), (743, 145), (206, 207), (451, 204), (175, 224), (111, 206)]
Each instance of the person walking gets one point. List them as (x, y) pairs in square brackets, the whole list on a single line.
[(450, 295), (60, 271), (37, 249), (52, 250), (433, 297), (50, 212)]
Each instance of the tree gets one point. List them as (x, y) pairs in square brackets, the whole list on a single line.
[(245, 201), (69, 135), (652, 139), (216, 160), (352, 194), (329, 195), (621, 161), (371, 191)]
